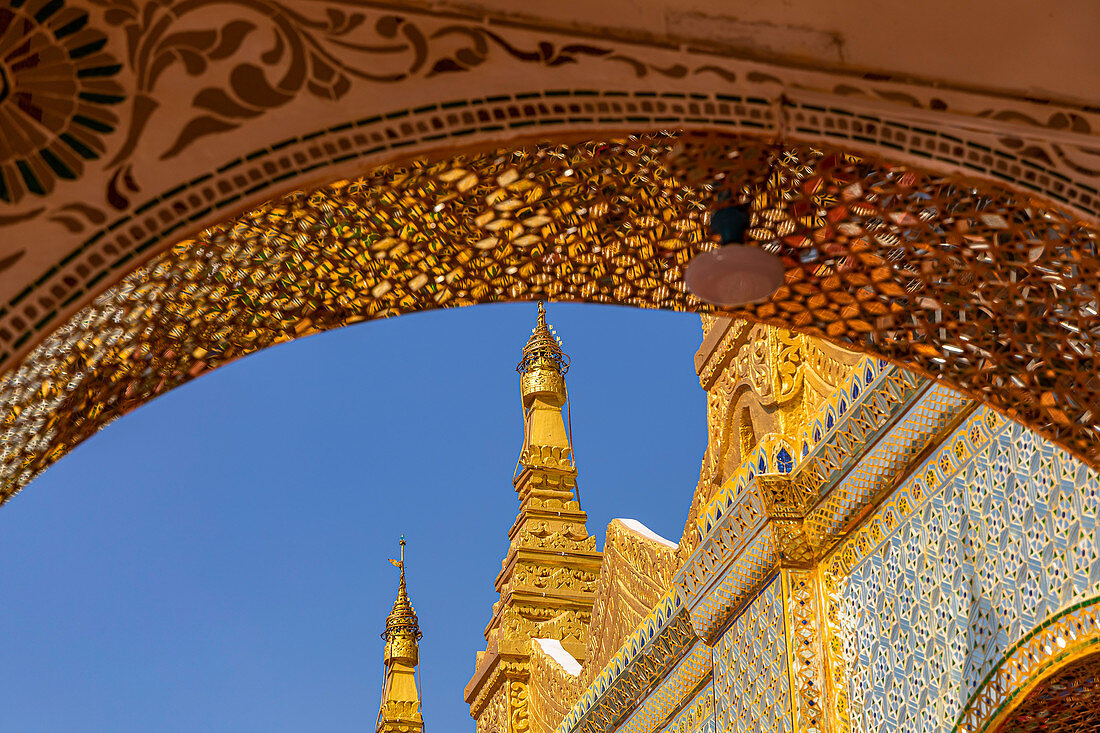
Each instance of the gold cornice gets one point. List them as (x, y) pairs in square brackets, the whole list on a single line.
[(618, 688), (489, 675), (717, 360), (719, 325)]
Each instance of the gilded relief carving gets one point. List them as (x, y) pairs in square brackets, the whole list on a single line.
[(635, 573), (517, 708), (495, 718), (760, 381)]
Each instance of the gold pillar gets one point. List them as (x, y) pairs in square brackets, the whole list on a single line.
[(765, 381)]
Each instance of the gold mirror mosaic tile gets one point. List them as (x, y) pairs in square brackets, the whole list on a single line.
[(970, 282)]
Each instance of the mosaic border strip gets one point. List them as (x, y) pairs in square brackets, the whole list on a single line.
[(660, 625), (696, 715), (922, 421), (1063, 637), (662, 703), (801, 605), (736, 586)]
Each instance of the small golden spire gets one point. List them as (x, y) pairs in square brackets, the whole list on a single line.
[(543, 394), (400, 708), (402, 621)]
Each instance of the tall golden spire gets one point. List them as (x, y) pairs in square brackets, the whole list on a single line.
[(548, 578), (400, 708)]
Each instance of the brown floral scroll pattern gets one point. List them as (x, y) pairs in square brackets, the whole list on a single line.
[(962, 280), (56, 93), (1075, 159), (318, 56), (255, 56)]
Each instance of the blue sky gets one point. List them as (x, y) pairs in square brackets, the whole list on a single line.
[(216, 560)]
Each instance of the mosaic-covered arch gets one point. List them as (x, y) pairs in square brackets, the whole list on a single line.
[(1047, 681), (1062, 702), (173, 117), (988, 288)]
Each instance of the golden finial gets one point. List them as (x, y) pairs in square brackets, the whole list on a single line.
[(400, 708), (402, 626), (543, 349), (542, 316), (400, 564), (543, 366)]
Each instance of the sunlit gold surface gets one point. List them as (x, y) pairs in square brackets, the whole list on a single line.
[(880, 552), (968, 281), (786, 379)]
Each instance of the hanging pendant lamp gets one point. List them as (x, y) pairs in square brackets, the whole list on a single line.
[(735, 274)]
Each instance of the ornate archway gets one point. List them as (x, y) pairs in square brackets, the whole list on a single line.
[(943, 225), (966, 281), (1064, 702)]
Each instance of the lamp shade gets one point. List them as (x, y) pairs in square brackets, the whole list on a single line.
[(734, 275)]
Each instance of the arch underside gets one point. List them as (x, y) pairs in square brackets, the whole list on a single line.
[(963, 280), (1063, 702), (945, 226), (1048, 681)]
